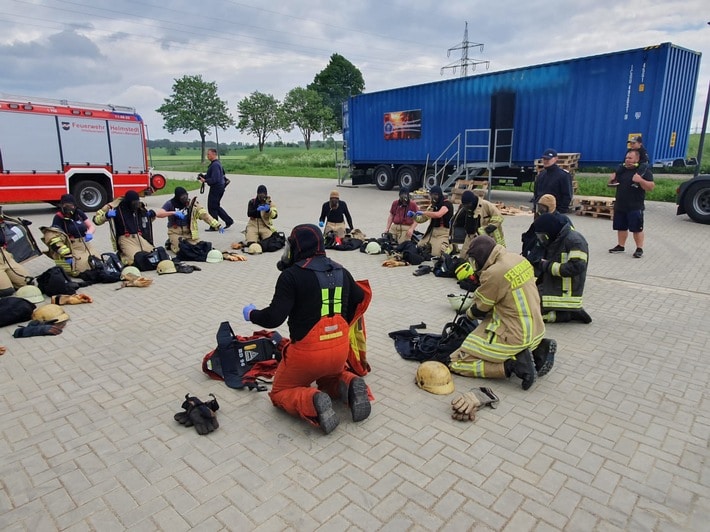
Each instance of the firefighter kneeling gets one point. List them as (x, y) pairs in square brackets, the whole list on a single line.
[(508, 304), (321, 300)]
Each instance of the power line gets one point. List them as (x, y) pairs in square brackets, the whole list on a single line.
[(465, 61)]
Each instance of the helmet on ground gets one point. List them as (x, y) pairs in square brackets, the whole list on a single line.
[(464, 271), (255, 249), (373, 248), (435, 377), (214, 255), (460, 302), (49, 313), (166, 266), (31, 293), (129, 270)]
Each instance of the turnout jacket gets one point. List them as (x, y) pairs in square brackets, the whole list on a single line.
[(562, 282), (509, 295)]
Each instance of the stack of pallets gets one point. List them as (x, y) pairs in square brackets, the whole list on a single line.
[(462, 185), (594, 206), (421, 198)]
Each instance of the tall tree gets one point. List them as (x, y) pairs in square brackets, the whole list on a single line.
[(195, 106), (305, 109), (260, 115), (335, 83)]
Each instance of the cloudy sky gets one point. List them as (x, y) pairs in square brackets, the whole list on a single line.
[(129, 52)]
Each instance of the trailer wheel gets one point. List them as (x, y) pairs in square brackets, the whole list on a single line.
[(90, 196), (697, 202), (408, 176), (430, 180), (383, 178)]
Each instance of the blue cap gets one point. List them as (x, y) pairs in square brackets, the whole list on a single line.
[(549, 153)]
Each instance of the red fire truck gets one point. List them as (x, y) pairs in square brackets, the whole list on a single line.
[(51, 147)]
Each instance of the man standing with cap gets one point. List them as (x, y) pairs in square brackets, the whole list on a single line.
[(333, 215), (321, 300), (398, 223), (553, 180), (636, 143)]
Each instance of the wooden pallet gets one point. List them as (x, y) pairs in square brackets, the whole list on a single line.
[(421, 198), (463, 185), (507, 210), (566, 161), (594, 206)]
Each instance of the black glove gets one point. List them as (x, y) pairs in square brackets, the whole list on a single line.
[(198, 414), (490, 228), (37, 330)]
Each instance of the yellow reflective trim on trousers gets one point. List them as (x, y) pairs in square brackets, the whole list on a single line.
[(562, 302), (330, 336), (495, 350)]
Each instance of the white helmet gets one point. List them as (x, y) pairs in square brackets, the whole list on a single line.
[(166, 266), (214, 255), (129, 270), (255, 249), (373, 248), (31, 293)]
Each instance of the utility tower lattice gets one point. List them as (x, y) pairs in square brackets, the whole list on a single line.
[(465, 62)]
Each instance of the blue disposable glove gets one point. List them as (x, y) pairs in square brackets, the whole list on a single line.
[(70, 261), (180, 215), (247, 311), (410, 214), (111, 213), (88, 237), (419, 213), (263, 208), (221, 230), (150, 213), (321, 224)]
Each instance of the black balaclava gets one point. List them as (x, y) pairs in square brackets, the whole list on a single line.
[(436, 190), (261, 192), (404, 195), (547, 227), (480, 249), (181, 198), (133, 200), (469, 200), (67, 204)]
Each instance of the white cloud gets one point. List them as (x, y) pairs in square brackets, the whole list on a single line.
[(129, 52)]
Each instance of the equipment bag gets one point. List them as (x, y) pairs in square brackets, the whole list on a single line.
[(413, 345), (194, 252), (446, 265), (146, 261), (274, 242), (236, 355), (55, 282), (106, 269), (15, 310)]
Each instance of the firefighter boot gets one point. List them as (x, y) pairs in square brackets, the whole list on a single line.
[(544, 356), (327, 418), (522, 366), (356, 398)]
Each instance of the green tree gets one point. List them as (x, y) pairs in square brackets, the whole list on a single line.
[(195, 106), (335, 83), (304, 109), (260, 115)]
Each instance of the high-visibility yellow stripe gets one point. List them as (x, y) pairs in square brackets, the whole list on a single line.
[(330, 336)]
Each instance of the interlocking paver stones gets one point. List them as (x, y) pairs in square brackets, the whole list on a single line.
[(615, 437)]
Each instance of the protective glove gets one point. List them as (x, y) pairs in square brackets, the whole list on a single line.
[(150, 213), (247, 311), (180, 215), (37, 330), (419, 213), (111, 213), (263, 208), (490, 228), (321, 224), (234, 257), (70, 261), (466, 405), (140, 282), (88, 237), (198, 414), (220, 230), (75, 299), (410, 214)]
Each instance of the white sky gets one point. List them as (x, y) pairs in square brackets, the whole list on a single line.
[(129, 52)]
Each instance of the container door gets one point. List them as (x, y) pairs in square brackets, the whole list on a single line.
[(502, 120)]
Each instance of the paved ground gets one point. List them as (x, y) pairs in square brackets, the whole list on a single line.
[(614, 438)]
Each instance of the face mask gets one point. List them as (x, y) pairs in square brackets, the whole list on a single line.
[(542, 209), (183, 200), (68, 210), (286, 257), (404, 199), (543, 239), (135, 205)]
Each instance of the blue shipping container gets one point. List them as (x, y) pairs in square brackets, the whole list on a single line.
[(590, 105)]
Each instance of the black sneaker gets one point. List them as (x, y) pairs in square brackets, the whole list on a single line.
[(581, 315), (544, 356), (230, 224), (617, 249), (327, 418), (638, 253), (210, 229), (358, 401)]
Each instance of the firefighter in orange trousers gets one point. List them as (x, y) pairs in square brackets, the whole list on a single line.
[(320, 298)]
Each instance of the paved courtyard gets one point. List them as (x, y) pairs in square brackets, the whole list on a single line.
[(614, 438)]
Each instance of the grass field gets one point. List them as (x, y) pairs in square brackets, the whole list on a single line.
[(320, 163)]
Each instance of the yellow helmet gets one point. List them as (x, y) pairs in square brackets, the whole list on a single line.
[(129, 270), (435, 377), (50, 312), (254, 249), (464, 271), (31, 293), (166, 266), (214, 255)]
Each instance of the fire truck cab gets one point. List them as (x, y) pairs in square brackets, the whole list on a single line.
[(52, 147)]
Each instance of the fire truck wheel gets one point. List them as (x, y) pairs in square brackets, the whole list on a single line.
[(90, 196)]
